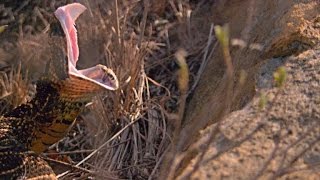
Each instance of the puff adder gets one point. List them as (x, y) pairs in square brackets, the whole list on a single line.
[(31, 128)]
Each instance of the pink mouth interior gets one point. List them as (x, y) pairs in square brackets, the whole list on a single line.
[(67, 16)]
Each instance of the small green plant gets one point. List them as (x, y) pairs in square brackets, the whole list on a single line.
[(183, 73), (263, 101), (222, 34), (280, 77), (2, 28)]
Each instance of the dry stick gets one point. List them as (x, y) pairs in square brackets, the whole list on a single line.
[(68, 152), (117, 21), (282, 172), (99, 148), (158, 163), (89, 7), (180, 6), (199, 5), (167, 40), (135, 129), (183, 83), (204, 60), (164, 132), (22, 5), (86, 177), (44, 21), (249, 21), (144, 20), (182, 155), (69, 165), (284, 152), (236, 144), (115, 162), (82, 151), (272, 155), (159, 85), (196, 166), (294, 159), (189, 25), (304, 168), (173, 6), (263, 168), (213, 133)]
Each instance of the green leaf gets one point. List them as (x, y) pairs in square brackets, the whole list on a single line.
[(280, 77), (2, 28), (263, 101), (222, 34)]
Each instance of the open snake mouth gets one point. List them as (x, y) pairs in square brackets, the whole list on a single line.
[(99, 74)]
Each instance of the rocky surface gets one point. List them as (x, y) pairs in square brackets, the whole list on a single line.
[(283, 139)]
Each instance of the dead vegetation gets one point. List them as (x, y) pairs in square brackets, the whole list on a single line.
[(123, 134), (14, 89), (158, 52)]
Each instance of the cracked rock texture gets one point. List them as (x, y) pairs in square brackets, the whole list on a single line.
[(281, 140)]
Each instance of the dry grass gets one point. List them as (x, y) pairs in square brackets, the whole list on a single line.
[(122, 134), (134, 132), (15, 89), (129, 130)]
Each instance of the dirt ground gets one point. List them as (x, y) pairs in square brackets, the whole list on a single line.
[(150, 128)]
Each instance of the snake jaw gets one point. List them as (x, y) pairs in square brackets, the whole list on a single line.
[(98, 76), (67, 15)]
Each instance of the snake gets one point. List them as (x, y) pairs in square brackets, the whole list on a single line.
[(61, 95)]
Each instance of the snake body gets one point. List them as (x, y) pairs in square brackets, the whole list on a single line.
[(31, 128)]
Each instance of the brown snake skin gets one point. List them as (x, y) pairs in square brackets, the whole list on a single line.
[(31, 128)]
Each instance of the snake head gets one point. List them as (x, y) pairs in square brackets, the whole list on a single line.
[(100, 75), (97, 77)]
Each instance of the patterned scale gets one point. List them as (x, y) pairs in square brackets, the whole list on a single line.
[(31, 128)]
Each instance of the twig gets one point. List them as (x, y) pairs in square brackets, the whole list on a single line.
[(183, 84), (284, 152), (271, 157), (196, 166), (224, 41), (204, 60), (82, 151), (287, 169), (117, 21), (158, 163), (295, 169), (44, 21), (68, 152), (69, 165), (99, 148), (236, 144), (144, 20)]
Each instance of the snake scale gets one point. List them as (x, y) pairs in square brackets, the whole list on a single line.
[(31, 128)]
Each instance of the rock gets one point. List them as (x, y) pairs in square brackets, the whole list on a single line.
[(284, 137)]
